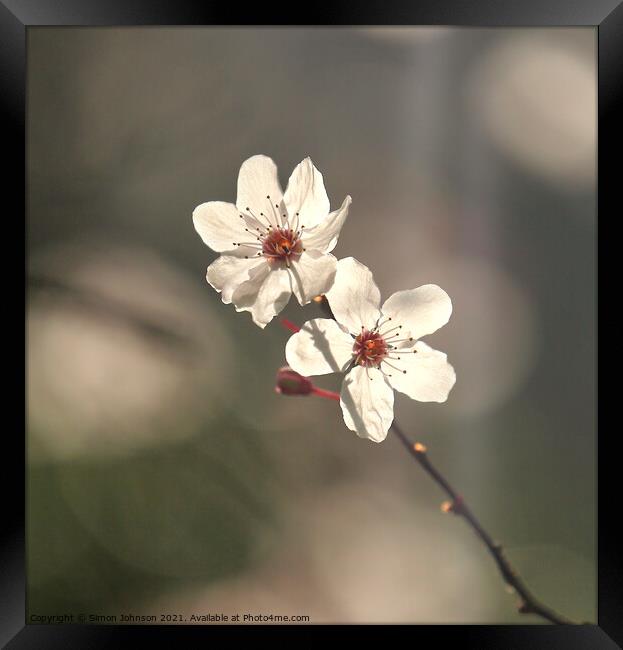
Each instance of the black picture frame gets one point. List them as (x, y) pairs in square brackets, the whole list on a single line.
[(16, 16)]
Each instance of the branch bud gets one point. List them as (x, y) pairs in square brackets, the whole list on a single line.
[(452, 506)]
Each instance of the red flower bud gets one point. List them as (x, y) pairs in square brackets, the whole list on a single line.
[(291, 383)]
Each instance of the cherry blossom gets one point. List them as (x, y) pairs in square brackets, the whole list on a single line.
[(376, 346), (272, 244)]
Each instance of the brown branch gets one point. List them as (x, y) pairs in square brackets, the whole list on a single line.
[(529, 603)]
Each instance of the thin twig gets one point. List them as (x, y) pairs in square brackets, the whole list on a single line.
[(529, 603)]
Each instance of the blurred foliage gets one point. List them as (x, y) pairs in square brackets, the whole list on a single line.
[(195, 512)]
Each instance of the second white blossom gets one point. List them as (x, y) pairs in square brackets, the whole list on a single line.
[(376, 346)]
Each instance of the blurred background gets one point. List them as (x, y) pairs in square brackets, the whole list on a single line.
[(165, 475)]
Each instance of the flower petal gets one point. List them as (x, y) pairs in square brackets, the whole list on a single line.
[(227, 273), (220, 227), (320, 347), (367, 402), (306, 195), (420, 311), (429, 376), (312, 274), (354, 297), (267, 300), (258, 179), (324, 236)]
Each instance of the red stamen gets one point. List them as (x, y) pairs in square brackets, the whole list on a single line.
[(369, 348), (282, 244)]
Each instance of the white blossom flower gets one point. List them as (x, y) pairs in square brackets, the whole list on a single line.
[(272, 244), (376, 346)]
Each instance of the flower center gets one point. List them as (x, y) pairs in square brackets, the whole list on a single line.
[(370, 349), (381, 349), (277, 237), (281, 244)]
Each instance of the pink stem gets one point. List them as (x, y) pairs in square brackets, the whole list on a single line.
[(290, 325), (327, 394)]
